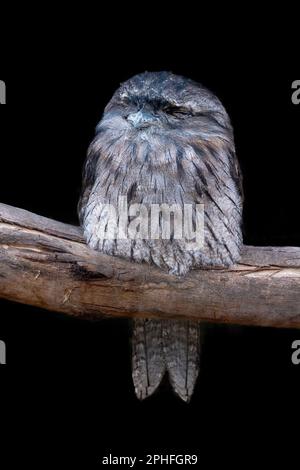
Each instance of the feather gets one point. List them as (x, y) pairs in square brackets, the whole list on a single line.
[(148, 363), (160, 345), (181, 347)]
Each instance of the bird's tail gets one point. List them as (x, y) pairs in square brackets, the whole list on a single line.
[(160, 346)]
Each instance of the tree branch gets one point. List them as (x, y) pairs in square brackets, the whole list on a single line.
[(47, 264)]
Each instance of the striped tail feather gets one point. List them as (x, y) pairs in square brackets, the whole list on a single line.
[(160, 346), (182, 350), (148, 363)]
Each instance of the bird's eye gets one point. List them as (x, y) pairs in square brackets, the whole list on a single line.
[(176, 111), (125, 100)]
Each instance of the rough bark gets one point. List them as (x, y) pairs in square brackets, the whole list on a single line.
[(47, 264)]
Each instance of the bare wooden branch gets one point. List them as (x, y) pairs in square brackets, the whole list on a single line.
[(47, 264)]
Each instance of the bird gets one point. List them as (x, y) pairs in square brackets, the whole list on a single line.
[(164, 139)]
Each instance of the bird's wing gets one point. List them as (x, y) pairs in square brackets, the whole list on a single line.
[(88, 180)]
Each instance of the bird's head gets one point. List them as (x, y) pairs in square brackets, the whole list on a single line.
[(161, 109)]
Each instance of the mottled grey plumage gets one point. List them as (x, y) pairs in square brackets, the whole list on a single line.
[(165, 139), (160, 346)]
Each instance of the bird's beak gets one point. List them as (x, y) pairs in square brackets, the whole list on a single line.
[(142, 118)]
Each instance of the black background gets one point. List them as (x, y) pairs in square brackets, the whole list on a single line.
[(66, 392)]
